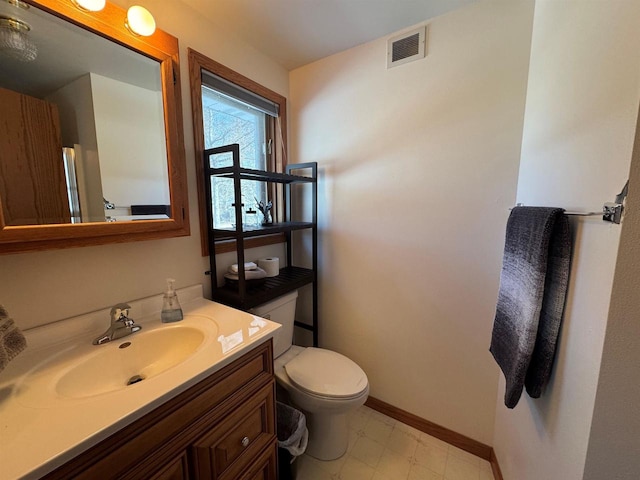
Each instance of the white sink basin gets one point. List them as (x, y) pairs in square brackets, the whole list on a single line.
[(129, 360), (77, 371)]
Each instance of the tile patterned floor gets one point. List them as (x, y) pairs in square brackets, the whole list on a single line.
[(381, 448)]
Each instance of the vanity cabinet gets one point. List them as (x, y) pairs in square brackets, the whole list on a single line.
[(244, 294), (222, 428)]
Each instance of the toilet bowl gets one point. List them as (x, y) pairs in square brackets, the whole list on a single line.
[(324, 384)]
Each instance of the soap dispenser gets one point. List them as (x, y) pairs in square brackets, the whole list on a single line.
[(171, 310)]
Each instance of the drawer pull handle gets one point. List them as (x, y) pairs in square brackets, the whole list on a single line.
[(245, 442)]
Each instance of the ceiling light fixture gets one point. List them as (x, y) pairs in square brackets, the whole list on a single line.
[(15, 41), (140, 21), (90, 5)]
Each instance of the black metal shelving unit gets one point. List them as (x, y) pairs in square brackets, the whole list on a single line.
[(246, 295)]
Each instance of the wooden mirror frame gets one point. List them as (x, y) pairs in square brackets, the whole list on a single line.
[(162, 47)]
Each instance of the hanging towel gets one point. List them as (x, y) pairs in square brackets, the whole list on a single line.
[(12, 342), (533, 286)]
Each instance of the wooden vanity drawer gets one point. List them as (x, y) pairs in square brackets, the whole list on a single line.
[(225, 451)]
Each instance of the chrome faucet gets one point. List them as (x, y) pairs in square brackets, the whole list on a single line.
[(121, 324)]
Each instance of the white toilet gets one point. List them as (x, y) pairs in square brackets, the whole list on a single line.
[(325, 385)]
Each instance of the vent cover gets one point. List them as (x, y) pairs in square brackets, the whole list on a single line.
[(407, 47)]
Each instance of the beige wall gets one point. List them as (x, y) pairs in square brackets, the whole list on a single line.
[(38, 288), (78, 125), (582, 104), (418, 168), (132, 148), (614, 440)]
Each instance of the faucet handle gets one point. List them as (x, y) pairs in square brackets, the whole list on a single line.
[(120, 312)]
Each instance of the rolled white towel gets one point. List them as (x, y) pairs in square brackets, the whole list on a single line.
[(254, 274), (247, 266)]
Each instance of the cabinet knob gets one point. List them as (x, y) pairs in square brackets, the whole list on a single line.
[(245, 441)]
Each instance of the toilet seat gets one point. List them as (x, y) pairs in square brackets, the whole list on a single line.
[(328, 374)]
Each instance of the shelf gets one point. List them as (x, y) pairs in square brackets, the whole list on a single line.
[(259, 230), (258, 175), (245, 294), (290, 278)]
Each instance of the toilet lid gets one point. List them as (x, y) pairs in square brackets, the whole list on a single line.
[(327, 373)]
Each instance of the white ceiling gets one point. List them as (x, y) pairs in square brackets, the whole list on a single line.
[(297, 32)]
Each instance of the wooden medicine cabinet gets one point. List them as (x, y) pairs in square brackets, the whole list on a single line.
[(91, 137)]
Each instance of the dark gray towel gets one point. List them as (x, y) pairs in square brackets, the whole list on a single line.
[(12, 342), (533, 286)]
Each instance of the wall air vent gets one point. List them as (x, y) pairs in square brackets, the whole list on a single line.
[(407, 47)]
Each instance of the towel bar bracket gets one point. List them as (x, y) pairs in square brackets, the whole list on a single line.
[(612, 212)]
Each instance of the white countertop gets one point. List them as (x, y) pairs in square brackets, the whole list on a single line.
[(41, 430)]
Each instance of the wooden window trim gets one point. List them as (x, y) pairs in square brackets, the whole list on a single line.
[(197, 63)]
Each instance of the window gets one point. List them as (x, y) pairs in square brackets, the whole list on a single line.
[(226, 121), (230, 108)]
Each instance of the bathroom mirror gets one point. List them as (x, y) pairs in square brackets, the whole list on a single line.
[(91, 140)]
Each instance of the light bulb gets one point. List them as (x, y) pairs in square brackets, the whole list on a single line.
[(90, 5), (140, 21)]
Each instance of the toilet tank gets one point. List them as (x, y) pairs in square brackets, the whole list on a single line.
[(282, 310)]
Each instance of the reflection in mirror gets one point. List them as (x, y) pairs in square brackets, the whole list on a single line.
[(55, 211), (82, 132)]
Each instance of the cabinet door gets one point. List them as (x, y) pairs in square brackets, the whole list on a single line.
[(177, 469), (33, 189), (232, 446), (264, 467), (157, 467)]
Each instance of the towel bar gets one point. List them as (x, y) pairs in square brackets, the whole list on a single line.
[(611, 211)]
